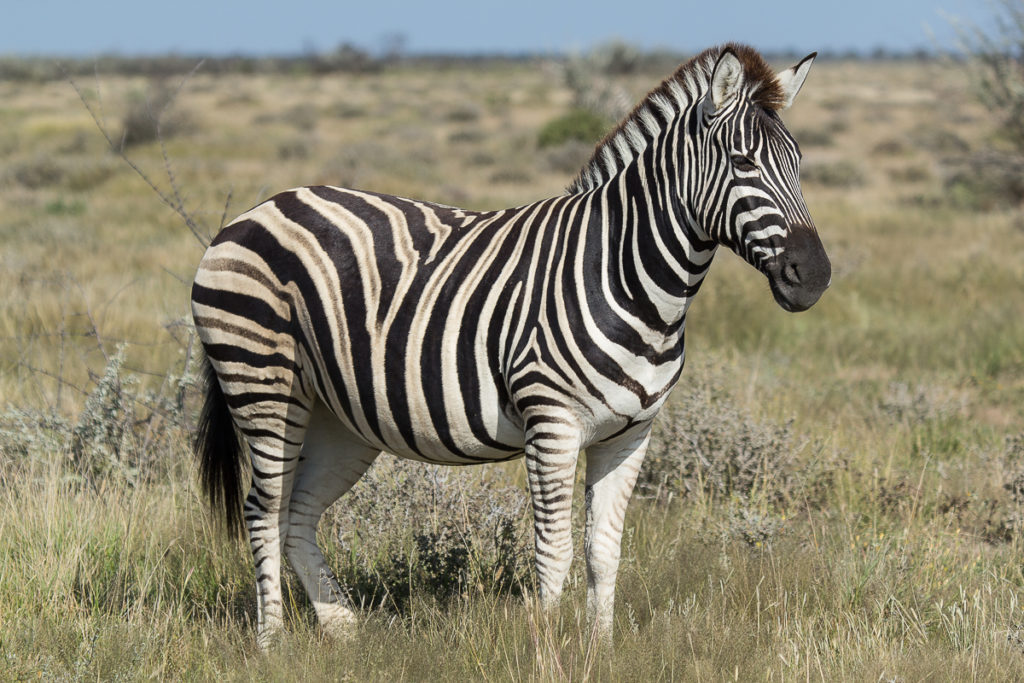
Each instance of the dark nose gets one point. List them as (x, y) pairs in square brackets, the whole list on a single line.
[(802, 272)]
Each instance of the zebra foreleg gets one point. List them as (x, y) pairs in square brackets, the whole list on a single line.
[(331, 463), (612, 470), (552, 449)]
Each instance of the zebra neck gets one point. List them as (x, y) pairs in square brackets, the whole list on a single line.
[(650, 255)]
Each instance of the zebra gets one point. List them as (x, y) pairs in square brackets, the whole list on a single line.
[(338, 324)]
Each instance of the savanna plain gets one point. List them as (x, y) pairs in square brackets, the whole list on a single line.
[(831, 495)]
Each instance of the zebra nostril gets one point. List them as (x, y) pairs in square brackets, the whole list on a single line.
[(790, 274)]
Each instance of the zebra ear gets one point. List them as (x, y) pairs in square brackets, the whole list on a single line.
[(791, 79), (727, 80)]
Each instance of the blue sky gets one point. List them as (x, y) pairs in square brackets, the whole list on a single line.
[(260, 27)]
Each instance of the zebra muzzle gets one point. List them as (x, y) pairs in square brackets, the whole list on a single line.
[(802, 272)]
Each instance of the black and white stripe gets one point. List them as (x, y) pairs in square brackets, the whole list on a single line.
[(340, 324)]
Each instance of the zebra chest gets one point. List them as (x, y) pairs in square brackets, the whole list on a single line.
[(636, 399), (604, 399)]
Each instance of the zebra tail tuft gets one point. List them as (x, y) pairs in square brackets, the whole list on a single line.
[(220, 455)]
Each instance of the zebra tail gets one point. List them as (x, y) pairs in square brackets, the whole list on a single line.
[(220, 455)]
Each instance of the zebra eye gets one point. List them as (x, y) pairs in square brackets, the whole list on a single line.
[(743, 163)]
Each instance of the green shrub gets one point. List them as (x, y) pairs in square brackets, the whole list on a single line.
[(578, 124)]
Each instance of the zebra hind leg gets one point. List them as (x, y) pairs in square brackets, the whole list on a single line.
[(330, 464), (274, 429)]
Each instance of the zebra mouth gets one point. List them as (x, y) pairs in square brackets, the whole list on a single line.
[(797, 283), (790, 299), (797, 291)]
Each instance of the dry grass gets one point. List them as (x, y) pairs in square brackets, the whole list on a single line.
[(877, 536)]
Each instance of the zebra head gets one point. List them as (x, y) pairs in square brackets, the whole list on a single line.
[(754, 204)]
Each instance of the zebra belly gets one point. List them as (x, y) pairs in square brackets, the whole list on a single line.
[(453, 441)]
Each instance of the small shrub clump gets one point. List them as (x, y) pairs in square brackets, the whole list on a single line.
[(986, 180), (123, 435), (77, 175), (26, 435), (996, 62), (704, 445), (822, 135), (1013, 483), (839, 174), (756, 529), (511, 176), (909, 174), (580, 125), (891, 147), (100, 440), (591, 78), (997, 518), (465, 112), (409, 528), (38, 173), (568, 157), (918, 404), (151, 117)]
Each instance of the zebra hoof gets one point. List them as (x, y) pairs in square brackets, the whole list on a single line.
[(341, 627), (268, 639)]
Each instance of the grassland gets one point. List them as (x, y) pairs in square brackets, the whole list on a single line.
[(878, 536)]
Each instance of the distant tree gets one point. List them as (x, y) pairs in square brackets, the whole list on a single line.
[(993, 177), (393, 46), (996, 58)]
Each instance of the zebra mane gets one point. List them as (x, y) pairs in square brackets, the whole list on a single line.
[(648, 119)]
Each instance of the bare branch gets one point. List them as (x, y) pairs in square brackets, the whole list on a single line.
[(224, 214), (174, 201), (168, 168)]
